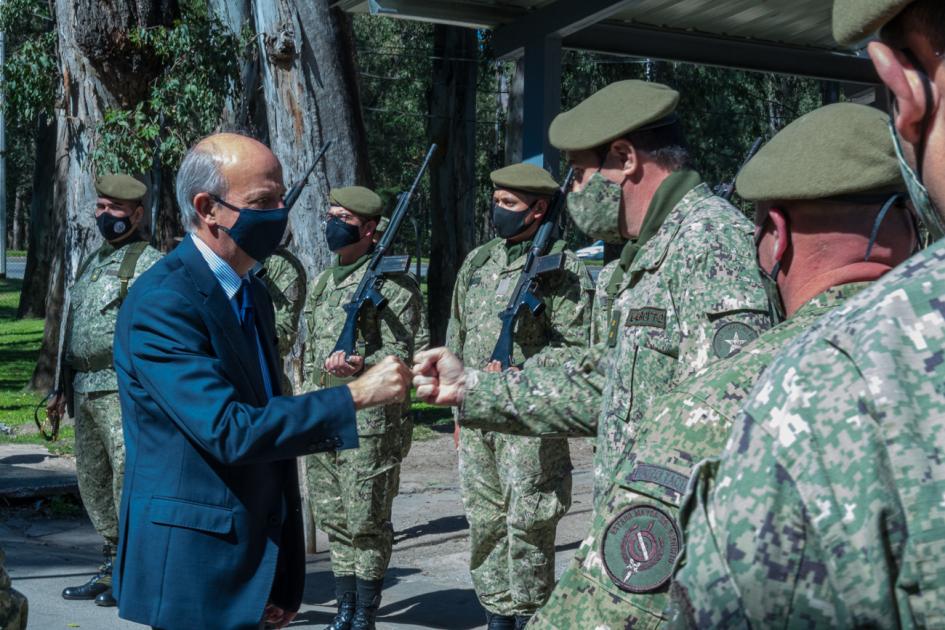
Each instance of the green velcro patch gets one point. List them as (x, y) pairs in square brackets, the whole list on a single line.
[(732, 337), (614, 329), (661, 476), (653, 317), (640, 547)]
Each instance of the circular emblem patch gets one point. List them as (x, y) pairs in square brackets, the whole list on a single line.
[(732, 337), (120, 227), (639, 548)]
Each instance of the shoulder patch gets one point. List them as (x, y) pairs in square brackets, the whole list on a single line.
[(732, 337), (660, 475), (640, 547)]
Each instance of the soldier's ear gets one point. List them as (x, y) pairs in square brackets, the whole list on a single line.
[(782, 233), (907, 86)]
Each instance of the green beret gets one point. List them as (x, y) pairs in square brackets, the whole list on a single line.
[(839, 149), (357, 199), (120, 186), (525, 177), (611, 113), (855, 20)]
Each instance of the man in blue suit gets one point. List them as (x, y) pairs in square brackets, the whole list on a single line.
[(210, 532)]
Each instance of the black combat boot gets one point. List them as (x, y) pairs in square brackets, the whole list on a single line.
[(345, 593), (369, 600), (106, 599), (521, 621), (100, 582), (499, 622)]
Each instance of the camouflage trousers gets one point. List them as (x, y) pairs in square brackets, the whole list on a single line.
[(515, 490), (352, 493), (586, 597), (14, 608), (100, 459)]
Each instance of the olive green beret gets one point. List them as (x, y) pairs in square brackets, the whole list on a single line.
[(839, 149), (357, 199), (525, 177), (855, 20), (120, 186), (612, 112)]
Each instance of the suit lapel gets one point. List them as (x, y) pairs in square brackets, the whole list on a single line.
[(220, 310), (267, 333)]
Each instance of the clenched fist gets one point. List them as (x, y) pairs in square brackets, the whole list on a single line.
[(439, 377), (385, 383)]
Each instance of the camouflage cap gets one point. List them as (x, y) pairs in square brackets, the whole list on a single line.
[(120, 186), (357, 199), (839, 149), (612, 112), (525, 177), (855, 20)]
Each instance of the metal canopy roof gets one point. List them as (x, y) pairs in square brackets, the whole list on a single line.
[(788, 36)]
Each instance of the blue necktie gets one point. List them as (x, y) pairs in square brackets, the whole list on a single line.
[(247, 314)]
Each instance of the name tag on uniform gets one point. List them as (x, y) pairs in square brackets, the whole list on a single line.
[(652, 317)]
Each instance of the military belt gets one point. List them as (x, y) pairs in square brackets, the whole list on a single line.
[(81, 364)]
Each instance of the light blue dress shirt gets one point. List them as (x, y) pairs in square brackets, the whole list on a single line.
[(230, 282)]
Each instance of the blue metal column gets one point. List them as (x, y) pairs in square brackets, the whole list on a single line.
[(541, 100)]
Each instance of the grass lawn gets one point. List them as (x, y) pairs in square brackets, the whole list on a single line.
[(19, 347)]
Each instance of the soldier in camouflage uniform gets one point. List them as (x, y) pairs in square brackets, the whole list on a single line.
[(285, 278), (14, 608), (515, 489), (826, 508), (619, 576), (352, 491), (89, 382), (687, 291)]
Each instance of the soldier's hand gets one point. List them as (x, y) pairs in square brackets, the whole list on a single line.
[(276, 617), (385, 383), (339, 365), (56, 408), (439, 377), (493, 366)]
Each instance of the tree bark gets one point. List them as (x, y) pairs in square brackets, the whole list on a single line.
[(452, 107), (100, 69), (18, 231), (44, 251)]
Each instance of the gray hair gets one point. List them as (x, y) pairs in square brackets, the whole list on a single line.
[(199, 172)]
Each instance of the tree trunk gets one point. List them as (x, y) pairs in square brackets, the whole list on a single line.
[(100, 69), (18, 229), (452, 106), (44, 250)]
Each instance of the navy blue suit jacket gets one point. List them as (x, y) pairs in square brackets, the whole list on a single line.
[(210, 525)]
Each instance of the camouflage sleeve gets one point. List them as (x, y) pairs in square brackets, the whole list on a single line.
[(399, 321), (538, 400), (722, 302), (287, 290), (777, 532), (456, 328), (600, 317), (569, 306)]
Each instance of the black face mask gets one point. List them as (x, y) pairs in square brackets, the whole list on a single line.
[(113, 228), (339, 234), (508, 223), (257, 232)]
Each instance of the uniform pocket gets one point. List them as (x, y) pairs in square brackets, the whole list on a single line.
[(213, 519)]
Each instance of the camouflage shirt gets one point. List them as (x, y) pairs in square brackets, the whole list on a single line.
[(827, 508), (601, 318), (285, 279), (94, 302), (560, 331), (682, 427), (691, 296), (397, 329)]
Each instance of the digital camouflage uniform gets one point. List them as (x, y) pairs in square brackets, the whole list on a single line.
[(827, 507), (14, 608), (515, 489), (600, 321), (615, 580), (692, 295), (352, 491), (285, 278), (95, 299)]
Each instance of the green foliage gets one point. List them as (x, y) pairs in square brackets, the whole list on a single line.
[(200, 63)]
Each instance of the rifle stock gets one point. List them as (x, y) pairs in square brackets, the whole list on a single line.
[(379, 267), (538, 263)]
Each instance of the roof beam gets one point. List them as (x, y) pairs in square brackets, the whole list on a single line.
[(559, 19), (730, 53)]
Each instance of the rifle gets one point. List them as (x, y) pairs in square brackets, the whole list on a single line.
[(292, 195), (379, 267), (725, 190), (537, 263)]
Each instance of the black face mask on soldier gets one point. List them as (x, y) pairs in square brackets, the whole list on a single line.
[(113, 228), (339, 234), (509, 223)]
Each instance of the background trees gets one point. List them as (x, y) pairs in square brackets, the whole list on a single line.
[(128, 85)]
